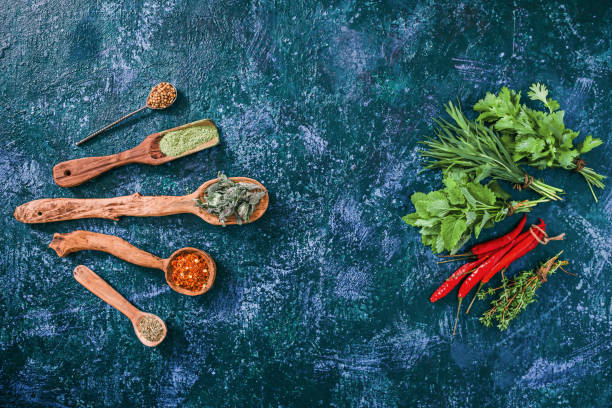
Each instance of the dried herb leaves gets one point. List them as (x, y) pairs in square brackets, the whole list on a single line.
[(226, 198)]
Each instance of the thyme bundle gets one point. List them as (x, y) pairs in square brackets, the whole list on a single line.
[(517, 294), (226, 198)]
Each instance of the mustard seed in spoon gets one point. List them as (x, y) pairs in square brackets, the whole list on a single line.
[(161, 97)]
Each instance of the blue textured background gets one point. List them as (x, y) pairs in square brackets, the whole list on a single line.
[(324, 301)]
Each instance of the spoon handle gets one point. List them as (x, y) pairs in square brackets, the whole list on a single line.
[(96, 133), (135, 205), (74, 172), (104, 291), (65, 244)]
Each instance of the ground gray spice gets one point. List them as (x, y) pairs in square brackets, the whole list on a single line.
[(150, 328)]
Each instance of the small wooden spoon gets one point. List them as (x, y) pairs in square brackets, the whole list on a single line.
[(74, 172), (135, 205), (65, 244), (104, 291)]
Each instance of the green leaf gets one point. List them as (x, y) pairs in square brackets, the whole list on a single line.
[(498, 190), (419, 200), (482, 172), (452, 229), (529, 145), (470, 217), (411, 219), (485, 218), (481, 193), (437, 204), (439, 245), (589, 144), (538, 92), (428, 223), (565, 158)]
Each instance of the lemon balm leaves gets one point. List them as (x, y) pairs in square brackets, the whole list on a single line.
[(448, 217), (452, 229)]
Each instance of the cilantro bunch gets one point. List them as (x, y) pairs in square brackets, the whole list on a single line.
[(449, 216), (538, 138)]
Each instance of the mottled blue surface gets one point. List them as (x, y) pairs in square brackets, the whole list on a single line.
[(323, 301)]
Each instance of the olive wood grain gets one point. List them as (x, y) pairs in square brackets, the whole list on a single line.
[(74, 172), (98, 286), (135, 205), (65, 244), (75, 241)]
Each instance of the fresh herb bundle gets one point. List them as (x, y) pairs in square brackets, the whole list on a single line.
[(517, 293), (225, 198), (538, 138), (447, 217), (477, 150)]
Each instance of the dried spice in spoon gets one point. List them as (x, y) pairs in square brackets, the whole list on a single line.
[(189, 271), (150, 328), (226, 197), (180, 141), (161, 96)]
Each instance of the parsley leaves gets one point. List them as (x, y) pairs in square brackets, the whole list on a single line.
[(536, 137)]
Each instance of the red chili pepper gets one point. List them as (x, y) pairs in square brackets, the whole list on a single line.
[(500, 241), (519, 250), (477, 275), (522, 244), (454, 279)]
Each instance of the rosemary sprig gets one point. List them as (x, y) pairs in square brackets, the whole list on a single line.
[(478, 151), (517, 293)]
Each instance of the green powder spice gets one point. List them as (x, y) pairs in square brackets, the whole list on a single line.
[(178, 142)]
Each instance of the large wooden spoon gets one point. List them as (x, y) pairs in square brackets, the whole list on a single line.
[(104, 291), (135, 205), (65, 244), (74, 172)]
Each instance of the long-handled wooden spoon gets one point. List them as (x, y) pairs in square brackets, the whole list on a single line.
[(104, 291), (135, 205), (74, 172), (65, 244)]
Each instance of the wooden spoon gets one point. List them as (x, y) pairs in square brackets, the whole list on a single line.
[(104, 291), (135, 205), (74, 172), (65, 244)]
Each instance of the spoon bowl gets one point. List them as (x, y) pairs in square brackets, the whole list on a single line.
[(64, 244), (157, 88), (210, 264), (140, 336)]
